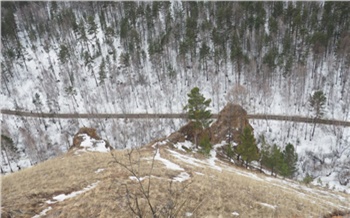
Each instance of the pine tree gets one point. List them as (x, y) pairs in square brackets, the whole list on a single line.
[(247, 149), (205, 144), (102, 72), (271, 157), (281, 162), (63, 54), (290, 158), (9, 149), (197, 109), (317, 102), (92, 25)]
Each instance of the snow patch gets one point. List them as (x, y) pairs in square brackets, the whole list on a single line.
[(213, 157), (99, 170), (187, 144), (91, 144), (42, 213), (159, 144), (235, 213), (182, 177), (63, 197), (167, 163), (187, 159), (273, 207), (188, 214), (134, 178)]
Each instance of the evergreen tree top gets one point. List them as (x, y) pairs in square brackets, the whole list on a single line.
[(197, 108)]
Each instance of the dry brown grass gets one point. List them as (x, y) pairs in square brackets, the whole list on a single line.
[(213, 194)]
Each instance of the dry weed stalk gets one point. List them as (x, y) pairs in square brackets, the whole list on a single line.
[(170, 206)]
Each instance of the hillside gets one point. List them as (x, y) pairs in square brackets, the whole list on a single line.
[(92, 184), (144, 57), (130, 54)]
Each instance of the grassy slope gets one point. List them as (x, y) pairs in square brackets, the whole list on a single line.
[(208, 193)]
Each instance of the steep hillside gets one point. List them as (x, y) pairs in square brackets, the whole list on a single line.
[(93, 184), (129, 57), (126, 56)]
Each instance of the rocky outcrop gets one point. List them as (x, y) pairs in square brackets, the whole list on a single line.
[(90, 133), (186, 132), (229, 125)]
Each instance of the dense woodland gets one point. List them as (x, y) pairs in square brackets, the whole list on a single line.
[(127, 57)]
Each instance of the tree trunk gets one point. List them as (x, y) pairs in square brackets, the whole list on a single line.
[(313, 131), (8, 161)]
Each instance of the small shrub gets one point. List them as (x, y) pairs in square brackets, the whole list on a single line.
[(205, 145), (308, 179), (229, 151)]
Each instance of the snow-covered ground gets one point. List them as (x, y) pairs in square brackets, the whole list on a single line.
[(168, 164), (90, 144)]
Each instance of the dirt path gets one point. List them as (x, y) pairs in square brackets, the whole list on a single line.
[(169, 116)]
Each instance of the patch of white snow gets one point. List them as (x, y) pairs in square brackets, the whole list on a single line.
[(91, 144), (167, 163), (134, 178), (42, 213), (99, 170), (63, 197), (268, 205), (183, 176), (235, 213), (185, 144), (188, 214)]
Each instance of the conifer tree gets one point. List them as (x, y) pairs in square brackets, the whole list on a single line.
[(197, 108), (247, 149), (63, 54), (9, 149), (290, 158), (317, 102), (197, 111), (281, 162), (271, 157), (102, 71), (92, 25)]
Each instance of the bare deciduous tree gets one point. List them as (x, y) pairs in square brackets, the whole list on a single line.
[(238, 95)]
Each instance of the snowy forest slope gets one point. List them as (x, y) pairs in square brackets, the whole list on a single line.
[(127, 55), (130, 57)]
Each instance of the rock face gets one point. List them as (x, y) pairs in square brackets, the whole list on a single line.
[(187, 132), (229, 125), (81, 136)]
